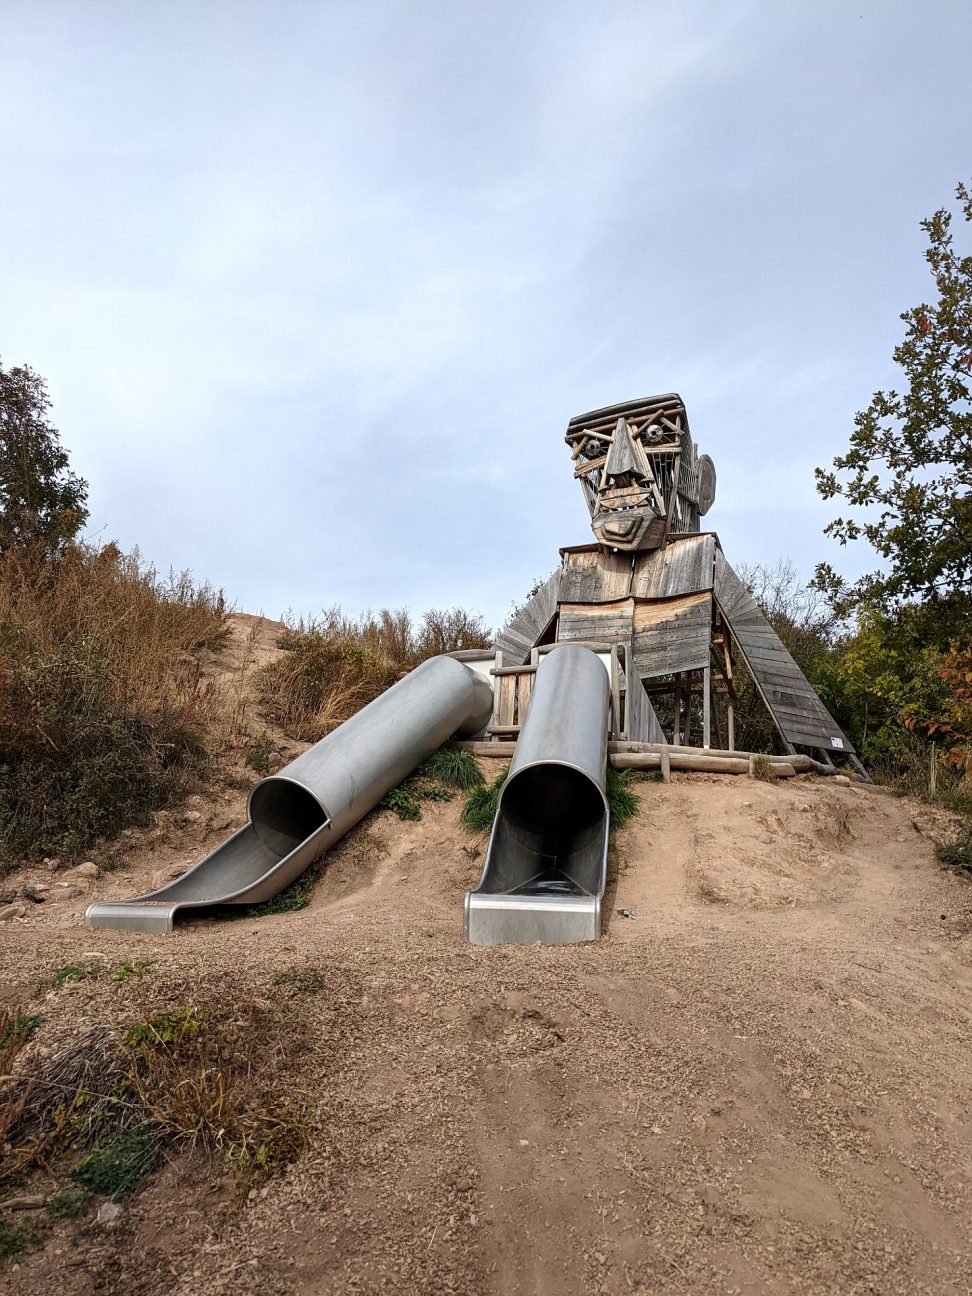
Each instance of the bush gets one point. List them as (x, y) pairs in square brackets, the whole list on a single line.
[(957, 853), (102, 708)]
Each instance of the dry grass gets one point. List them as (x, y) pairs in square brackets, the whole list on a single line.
[(110, 1101), (334, 664)]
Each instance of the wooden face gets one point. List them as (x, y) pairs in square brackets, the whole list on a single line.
[(641, 475)]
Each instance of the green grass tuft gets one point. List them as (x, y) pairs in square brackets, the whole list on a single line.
[(622, 800), (454, 767), (479, 810)]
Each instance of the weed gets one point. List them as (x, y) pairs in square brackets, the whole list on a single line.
[(306, 980), (15, 1239), (18, 1029), (194, 1080), (69, 1203), (763, 770), (622, 801), (73, 972), (259, 754), (289, 900), (957, 853), (479, 810), (402, 801), (116, 1167), (125, 970)]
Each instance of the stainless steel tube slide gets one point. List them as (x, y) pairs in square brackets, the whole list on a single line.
[(546, 861), (300, 812)]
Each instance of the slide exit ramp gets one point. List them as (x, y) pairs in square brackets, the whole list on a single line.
[(304, 809), (546, 863)]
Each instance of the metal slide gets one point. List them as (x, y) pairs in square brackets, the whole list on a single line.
[(304, 809), (547, 857)]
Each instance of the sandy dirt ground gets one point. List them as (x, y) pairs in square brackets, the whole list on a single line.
[(761, 1082)]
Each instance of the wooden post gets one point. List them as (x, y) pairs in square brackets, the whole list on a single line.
[(665, 764), (932, 771), (706, 704), (731, 723), (676, 712)]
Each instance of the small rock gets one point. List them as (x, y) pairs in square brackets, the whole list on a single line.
[(109, 1213), (251, 1195), (86, 870), (36, 888), (64, 891), (192, 816), (840, 780), (13, 911), (656, 1129), (805, 1094), (627, 913)]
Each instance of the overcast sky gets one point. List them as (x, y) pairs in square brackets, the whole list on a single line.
[(317, 286)]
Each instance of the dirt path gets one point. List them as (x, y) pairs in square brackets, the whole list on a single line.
[(760, 1083)]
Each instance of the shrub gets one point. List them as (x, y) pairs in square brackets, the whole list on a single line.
[(102, 708)]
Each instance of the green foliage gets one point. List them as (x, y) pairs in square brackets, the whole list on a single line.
[(908, 469), (454, 767), (116, 1167), (479, 809), (401, 801), (18, 1237), (41, 500), (622, 799), (259, 753), (69, 1203), (17, 1029), (169, 1027)]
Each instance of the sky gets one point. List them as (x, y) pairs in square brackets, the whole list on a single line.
[(316, 287)]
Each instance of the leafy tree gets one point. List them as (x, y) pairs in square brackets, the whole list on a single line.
[(909, 464), (41, 500)]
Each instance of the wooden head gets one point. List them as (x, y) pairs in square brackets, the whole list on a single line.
[(640, 471)]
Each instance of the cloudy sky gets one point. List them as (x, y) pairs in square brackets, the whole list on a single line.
[(317, 286)]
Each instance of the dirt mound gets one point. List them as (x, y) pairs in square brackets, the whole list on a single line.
[(761, 1082)]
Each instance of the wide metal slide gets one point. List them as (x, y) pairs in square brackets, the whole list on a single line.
[(546, 862), (308, 806)]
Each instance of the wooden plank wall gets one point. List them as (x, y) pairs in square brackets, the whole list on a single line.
[(516, 639), (672, 636), (682, 567), (799, 713)]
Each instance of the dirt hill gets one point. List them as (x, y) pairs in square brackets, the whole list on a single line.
[(760, 1082)]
